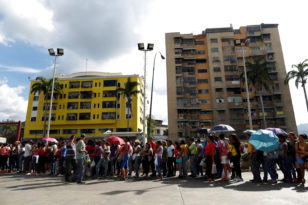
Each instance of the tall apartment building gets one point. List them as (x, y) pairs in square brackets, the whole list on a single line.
[(88, 104), (204, 86)]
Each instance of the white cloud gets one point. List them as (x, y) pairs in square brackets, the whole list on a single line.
[(12, 105), (19, 69)]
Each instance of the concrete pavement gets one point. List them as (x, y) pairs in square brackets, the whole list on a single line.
[(20, 189)]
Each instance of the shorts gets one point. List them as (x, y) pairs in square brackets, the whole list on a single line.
[(299, 160), (224, 160), (124, 164)]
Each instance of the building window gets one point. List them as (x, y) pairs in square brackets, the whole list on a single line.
[(200, 52), (109, 93), (217, 69), (219, 90), (204, 102), (199, 42), (54, 132), (95, 84), (216, 60), (202, 71), (35, 132), (33, 119), (218, 79), (214, 50), (103, 130), (69, 131), (53, 117), (34, 108), (220, 100), (35, 98), (93, 116), (99, 84), (94, 105), (230, 68), (71, 116), (75, 84), (267, 36), (72, 105), (86, 95), (59, 106), (232, 78), (178, 69), (179, 90), (73, 95), (85, 105), (203, 80), (84, 116), (108, 115), (86, 84), (58, 117), (88, 131), (205, 112), (109, 104), (201, 61), (214, 40), (65, 85), (110, 83), (203, 91)]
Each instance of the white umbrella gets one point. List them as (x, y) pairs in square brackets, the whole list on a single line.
[(222, 128)]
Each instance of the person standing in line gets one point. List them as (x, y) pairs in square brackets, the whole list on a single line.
[(158, 158), (302, 155), (291, 155), (192, 157), (209, 154), (153, 146), (28, 157), (13, 158), (179, 160), (113, 151), (126, 154), (254, 163), (164, 158), (147, 158), (137, 157), (80, 156), (170, 159), (235, 149), (185, 151), (283, 160), (70, 159), (105, 150), (223, 147), (21, 152), (199, 157)]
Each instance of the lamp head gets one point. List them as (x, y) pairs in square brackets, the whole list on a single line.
[(51, 52), (141, 46), (60, 51), (162, 57), (150, 46)]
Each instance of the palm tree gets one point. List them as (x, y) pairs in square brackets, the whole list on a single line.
[(128, 92), (44, 85), (300, 76), (258, 76)]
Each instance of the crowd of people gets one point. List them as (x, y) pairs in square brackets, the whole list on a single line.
[(216, 157)]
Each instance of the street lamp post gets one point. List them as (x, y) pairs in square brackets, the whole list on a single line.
[(150, 117), (142, 48), (246, 84), (60, 52)]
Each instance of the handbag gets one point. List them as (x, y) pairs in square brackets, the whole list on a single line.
[(87, 158), (202, 163), (214, 170)]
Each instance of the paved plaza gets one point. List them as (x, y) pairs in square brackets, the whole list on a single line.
[(43, 190)]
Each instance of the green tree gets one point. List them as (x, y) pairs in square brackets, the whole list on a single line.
[(151, 126), (130, 89), (44, 85), (258, 76), (300, 76)]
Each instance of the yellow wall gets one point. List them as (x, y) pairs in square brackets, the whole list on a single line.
[(96, 123)]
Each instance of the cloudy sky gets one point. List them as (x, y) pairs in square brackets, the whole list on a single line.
[(107, 32)]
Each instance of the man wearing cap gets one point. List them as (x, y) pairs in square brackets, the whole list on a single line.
[(80, 157), (137, 156)]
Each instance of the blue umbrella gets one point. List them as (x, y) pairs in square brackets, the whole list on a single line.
[(277, 131), (222, 128), (264, 140)]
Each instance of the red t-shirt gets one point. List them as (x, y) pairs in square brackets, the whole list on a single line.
[(209, 149)]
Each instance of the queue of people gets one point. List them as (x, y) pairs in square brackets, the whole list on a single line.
[(216, 157)]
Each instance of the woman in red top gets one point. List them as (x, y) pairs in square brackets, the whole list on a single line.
[(209, 153)]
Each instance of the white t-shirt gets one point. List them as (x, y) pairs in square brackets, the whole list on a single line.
[(137, 154), (169, 151), (28, 150)]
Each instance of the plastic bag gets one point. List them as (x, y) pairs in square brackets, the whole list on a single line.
[(202, 163), (92, 164), (214, 170)]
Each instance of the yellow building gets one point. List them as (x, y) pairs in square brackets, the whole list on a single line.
[(88, 104)]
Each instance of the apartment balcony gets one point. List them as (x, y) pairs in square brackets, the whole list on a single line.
[(257, 53), (254, 33), (235, 104), (233, 83)]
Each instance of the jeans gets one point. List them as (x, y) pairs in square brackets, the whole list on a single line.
[(130, 166), (102, 163), (285, 167), (184, 165), (158, 165), (237, 165), (70, 164), (112, 165), (199, 168), (80, 169), (192, 160), (137, 164), (27, 164), (20, 162), (291, 162), (269, 167), (53, 166)]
